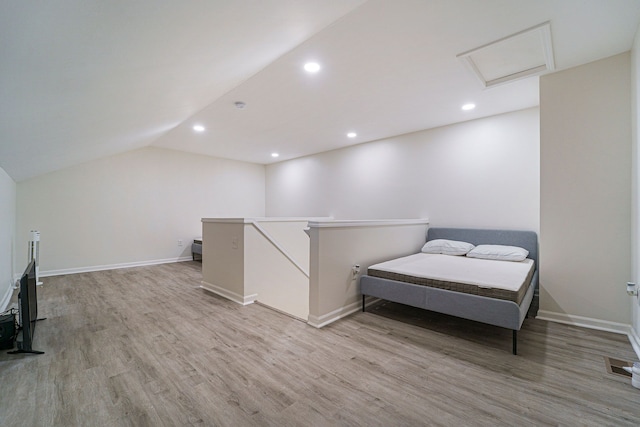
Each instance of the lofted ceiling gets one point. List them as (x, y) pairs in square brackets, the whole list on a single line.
[(81, 79)]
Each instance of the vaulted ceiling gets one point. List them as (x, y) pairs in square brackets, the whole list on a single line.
[(84, 79)]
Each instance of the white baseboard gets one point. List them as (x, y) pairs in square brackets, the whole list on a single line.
[(6, 297), (89, 269), (240, 299), (587, 322), (325, 319)]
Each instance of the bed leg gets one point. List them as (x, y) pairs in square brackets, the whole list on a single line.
[(363, 303), (515, 342)]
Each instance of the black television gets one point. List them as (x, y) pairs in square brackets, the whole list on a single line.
[(28, 307)]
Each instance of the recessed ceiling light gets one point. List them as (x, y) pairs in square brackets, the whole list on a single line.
[(352, 134), (312, 67), (275, 154), (467, 107), (198, 128)]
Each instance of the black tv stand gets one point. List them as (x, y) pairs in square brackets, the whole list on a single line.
[(25, 352), (30, 351)]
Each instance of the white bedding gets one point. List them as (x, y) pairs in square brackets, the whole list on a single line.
[(484, 273)]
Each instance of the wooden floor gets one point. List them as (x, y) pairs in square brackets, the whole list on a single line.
[(145, 346)]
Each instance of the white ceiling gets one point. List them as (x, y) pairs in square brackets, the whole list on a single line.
[(84, 79)]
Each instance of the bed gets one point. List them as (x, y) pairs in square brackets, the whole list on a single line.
[(482, 304)]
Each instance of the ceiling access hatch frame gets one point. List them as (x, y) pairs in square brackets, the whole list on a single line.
[(524, 54)]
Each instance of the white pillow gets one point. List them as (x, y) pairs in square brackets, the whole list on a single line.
[(499, 252), (446, 247)]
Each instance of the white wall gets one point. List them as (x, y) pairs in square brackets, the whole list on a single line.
[(223, 263), (258, 259), (133, 207), (7, 237), (277, 281), (481, 173), (635, 186), (585, 169), (336, 246)]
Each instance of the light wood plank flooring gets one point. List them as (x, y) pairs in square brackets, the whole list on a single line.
[(145, 346)]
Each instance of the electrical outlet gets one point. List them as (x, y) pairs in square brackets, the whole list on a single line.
[(179, 242), (355, 270)]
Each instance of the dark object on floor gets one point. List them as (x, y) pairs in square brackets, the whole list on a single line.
[(7, 331), (196, 249)]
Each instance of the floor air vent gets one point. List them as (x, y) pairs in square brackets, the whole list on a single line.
[(614, 366)]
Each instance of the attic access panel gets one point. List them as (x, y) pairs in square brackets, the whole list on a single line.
[(520, 55)]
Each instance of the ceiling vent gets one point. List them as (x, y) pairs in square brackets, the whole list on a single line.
[(524, 54)]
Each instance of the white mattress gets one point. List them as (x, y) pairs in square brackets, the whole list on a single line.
[(507, 275)]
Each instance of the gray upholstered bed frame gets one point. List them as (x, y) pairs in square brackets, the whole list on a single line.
[(506, 314)]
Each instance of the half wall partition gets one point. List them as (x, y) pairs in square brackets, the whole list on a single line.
[(303, 267)]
